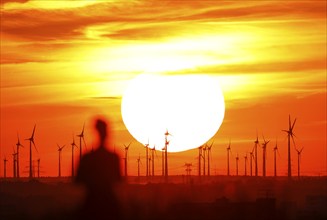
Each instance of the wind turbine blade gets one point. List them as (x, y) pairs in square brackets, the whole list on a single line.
[(293, 141), (293, 124), (33, 131), (301, 150), (35, 146)]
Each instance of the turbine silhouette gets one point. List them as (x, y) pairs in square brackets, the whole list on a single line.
[(81, 137), (126, 157), (18, 145), (59, 150), (31, 140), (264, 153), (14, 157), (229, 150), (166, 153), (290, 134), (209, 157), (199, 160), (251, 158), (256, 142), (275, 158), (73, 145), (146, 158), (245, 163), (298, 161), (5, 167), (237, 159), (138, 165)]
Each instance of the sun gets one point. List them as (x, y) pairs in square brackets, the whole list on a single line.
[(190, 107)]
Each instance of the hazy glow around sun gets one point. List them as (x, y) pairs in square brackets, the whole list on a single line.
[(190, 107)]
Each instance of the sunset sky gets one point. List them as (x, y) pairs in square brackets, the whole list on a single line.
[(63, 62)]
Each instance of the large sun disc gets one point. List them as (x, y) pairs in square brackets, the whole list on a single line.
[(190, 107)]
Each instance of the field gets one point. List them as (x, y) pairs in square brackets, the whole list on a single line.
[(181, 198)]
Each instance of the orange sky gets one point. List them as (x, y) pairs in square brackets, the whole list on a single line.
[(62, 62)]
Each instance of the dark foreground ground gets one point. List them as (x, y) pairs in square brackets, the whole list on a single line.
[(218, 197)]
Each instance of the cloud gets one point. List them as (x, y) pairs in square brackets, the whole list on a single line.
[(41, 25), (2, 2), (260, 67)]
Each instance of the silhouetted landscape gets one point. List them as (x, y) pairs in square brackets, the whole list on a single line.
[(215, 197)]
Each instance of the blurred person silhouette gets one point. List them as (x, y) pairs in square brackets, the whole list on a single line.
[(99, 172)]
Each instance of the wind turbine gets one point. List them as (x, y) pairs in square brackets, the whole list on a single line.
[(275, 160), (163, 160), (14, 155), (73, 145), (228, 150), (237, 158), (81, 136), (5, 167), (264, 153), (146, 158), (256, 142), (153, 150), (200, 158), (126, 157), (209, 157), (204, 149), (245, 163), (298, 160), (31, 140), (18, 144), (138, 166), (59, 150), (166, 153), (290, 135), (251, 157)]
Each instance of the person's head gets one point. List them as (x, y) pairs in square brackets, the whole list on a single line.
[(102, 128)]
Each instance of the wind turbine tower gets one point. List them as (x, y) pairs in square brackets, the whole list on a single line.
[(298, 160), (237, 158), (256, 142), (275, 159), (228, 151), (251, 157), (209, 157), (31, 140), (73, 145), (5, 167), (163, 161), (204, 159), (138, 166), (264, 155), (14, 157), (146, 158), (126, 157), (59, 150), (166, 154), (245, 163), (18, 144), (199, 161), (81, 137), (153, 150), (290, 135)]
